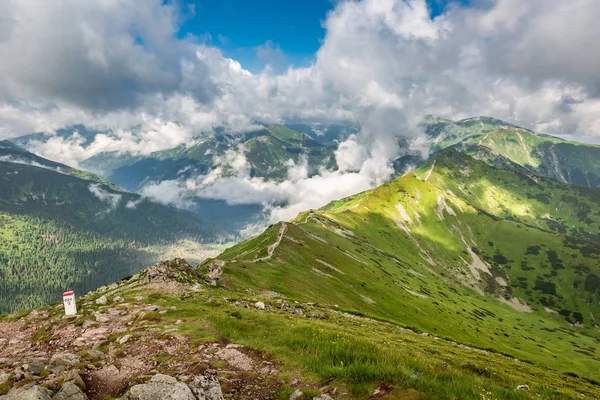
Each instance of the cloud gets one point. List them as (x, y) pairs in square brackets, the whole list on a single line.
[(383, 64), (112, 199)]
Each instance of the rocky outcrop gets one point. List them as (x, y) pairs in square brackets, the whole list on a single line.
[(174, 271)]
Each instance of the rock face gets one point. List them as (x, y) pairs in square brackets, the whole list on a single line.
[(177, 270), (164, 387), (28, 392)]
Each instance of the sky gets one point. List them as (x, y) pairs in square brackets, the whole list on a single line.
[(261, 32), (152, 74)]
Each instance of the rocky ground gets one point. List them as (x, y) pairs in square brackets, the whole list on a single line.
[(114, 348)]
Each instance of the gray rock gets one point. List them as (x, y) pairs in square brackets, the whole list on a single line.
[(102, 300), (259, 305), (118, 299), (296, 395), (69, 391), (323, 397), (207, 387), (65, 359), (523, 387), (125, 339), (28, 392), (102, 318), (34, 368), (95, 354), (160, 387)]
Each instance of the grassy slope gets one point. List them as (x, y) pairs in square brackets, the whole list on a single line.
[(488, 138), (55, 234), (320, 348), (362, 254)]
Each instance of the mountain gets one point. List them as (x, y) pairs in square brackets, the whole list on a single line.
[(63, 228), (493, 140), (168, 332), (266, 150), (325, 132), (498, 259), (85, 134)]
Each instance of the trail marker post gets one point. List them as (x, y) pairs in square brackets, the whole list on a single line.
[(69, 302)]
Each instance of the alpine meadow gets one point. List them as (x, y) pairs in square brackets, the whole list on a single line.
[(325, 200)]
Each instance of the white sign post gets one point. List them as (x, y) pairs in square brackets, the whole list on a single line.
[(69, 302)]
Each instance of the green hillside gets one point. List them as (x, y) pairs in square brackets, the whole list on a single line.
[(488, 258), (488, 139), (67, 229)]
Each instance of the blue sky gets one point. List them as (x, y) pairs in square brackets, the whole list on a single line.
[(257, 32)]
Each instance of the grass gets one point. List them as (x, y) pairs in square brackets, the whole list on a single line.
[(359, 355), (418, 275)]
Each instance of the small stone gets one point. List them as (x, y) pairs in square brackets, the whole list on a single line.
[(323, 397), (139, 298), (65, 359), (102, 300), (95, 354), (118, 299), (523, 387), (297, 394), (102, 318), (259, 305), (207, 387), (178, 322), (124, 339), (69, 391), (35, 368)]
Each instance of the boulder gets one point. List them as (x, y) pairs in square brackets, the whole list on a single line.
[(102, 300), (69, 391), (523, 387), (259, 305), (160, 387), (297, 394), (30, 391), (323, 397), (65, 359), (207, 387)]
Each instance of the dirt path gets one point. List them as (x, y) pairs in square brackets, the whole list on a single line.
[(430, 171), (271, 248)]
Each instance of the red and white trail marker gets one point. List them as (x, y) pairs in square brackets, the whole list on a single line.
[(69, 302)]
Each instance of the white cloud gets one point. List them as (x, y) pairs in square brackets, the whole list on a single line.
[(383, 64), (112, 199)]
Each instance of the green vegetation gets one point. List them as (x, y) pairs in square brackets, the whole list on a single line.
[(491, 258), (496, 142), (66, 230), (356, 354)]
